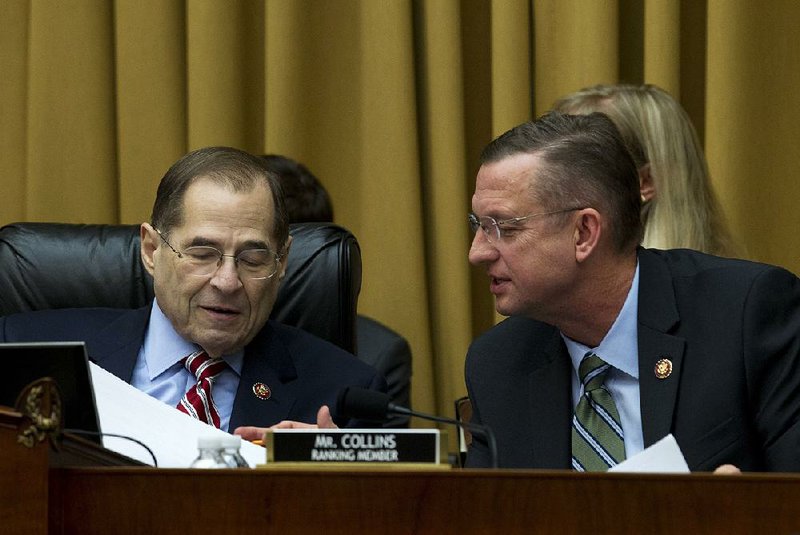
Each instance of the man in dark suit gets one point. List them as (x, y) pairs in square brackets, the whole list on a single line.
[(609, 346), (307, 200), (217, 249)]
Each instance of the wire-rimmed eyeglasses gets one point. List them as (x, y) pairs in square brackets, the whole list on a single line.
[(204, 260), (495, 229)]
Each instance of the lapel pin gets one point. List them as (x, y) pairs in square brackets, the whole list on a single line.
[(663, 368), (261, 391)]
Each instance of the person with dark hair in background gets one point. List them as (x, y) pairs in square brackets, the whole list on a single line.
[(216, 246), (307, 200), (609, 346)]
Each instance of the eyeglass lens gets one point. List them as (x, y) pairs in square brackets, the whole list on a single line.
[(487, 224), (251, 263)]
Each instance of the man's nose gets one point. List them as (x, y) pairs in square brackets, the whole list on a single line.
[(226, 277), (481, 251)]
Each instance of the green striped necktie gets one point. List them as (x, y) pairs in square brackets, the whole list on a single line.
[(597, 438)]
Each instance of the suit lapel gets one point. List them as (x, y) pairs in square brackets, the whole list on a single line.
[(117, 346), (658, 315), (267, 361), (551, 407)]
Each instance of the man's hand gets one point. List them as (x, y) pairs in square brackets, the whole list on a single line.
[(324, 421), (727, 470), (250, 433)]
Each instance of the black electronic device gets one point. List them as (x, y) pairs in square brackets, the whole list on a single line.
[(68, 365)]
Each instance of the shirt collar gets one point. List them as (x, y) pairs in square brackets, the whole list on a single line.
[(164, 347), (620, 346)]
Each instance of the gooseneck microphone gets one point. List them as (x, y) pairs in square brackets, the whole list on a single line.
[(365, 404)]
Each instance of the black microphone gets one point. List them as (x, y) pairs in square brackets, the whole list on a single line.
[(365, 404)]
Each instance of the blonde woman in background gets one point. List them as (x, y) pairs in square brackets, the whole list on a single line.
[(679, 208)]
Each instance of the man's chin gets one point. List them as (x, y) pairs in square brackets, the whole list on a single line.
[(216, 347), (507, 307), (503, 307), (219, 340)]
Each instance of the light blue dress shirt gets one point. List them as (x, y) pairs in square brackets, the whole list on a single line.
[(620, 348), (159, 372)]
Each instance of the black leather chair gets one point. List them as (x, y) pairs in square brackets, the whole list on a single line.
[(58, 265)]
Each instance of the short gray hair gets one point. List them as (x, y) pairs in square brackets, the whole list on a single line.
[(225, 165)]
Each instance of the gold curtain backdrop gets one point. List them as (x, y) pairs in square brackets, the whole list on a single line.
[(389, 102)]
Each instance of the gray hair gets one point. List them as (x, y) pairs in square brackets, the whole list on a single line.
[(224, 165)]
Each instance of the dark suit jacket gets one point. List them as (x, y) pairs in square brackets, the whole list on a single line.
[(390, 354), (732, 331), (303, 371)]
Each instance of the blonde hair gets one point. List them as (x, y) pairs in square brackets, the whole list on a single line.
[(684, 212)]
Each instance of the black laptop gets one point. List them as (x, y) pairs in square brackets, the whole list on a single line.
[(67, 364)]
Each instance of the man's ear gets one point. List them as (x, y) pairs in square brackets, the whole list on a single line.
[(149, 243), (285, 258), (647, 187), (588, 229)]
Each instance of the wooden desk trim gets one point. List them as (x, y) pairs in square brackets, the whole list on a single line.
[(144, 500)]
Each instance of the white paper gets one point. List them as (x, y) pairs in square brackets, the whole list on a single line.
[(664, 456), (171, 434)]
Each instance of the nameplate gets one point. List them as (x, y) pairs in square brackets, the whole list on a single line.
[(355, 446)]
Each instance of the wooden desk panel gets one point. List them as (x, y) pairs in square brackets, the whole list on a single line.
[(23, 481), (134, 500)]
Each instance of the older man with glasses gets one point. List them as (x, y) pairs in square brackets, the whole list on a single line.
[(216, 246)]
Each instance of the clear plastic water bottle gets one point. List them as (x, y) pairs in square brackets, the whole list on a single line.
[(231, 454), (209, 453)]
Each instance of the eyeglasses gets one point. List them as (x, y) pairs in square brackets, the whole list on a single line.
[(204, 260), (496, 230)]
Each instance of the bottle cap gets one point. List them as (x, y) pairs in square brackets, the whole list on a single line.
[(209, 442), (232, 441)]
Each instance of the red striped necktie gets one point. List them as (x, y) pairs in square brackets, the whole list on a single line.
[(197, 402)]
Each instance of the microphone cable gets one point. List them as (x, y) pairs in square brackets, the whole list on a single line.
[(366, 404), (475, 429), (113, 435)]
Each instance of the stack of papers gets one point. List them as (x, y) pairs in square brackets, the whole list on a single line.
[(171, 434), (662, 457)]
